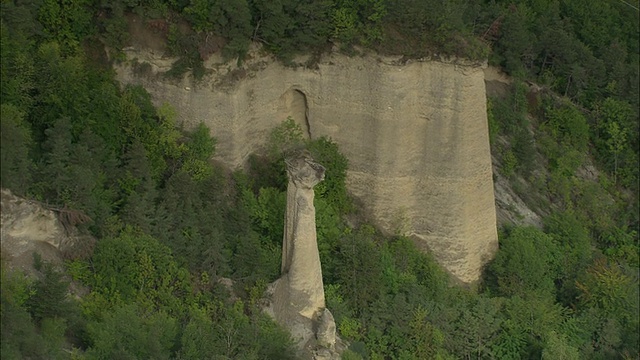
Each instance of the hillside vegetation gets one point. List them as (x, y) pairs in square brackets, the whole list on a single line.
[(171, 224)]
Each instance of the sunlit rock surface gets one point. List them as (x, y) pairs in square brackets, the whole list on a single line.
[(415, 134)]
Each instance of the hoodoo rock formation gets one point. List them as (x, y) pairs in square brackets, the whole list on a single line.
[(297, 297), (302, 275), (415, 134)]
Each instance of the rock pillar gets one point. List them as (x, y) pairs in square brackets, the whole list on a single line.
[(297, 298), (300, 256)]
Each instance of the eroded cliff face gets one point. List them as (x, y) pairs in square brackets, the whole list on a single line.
[(415, 135), (28, 227)]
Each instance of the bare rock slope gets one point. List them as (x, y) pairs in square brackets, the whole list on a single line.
[(28, 227), (415, 135)]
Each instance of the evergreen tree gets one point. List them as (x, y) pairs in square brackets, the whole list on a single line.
[(15, 144), (138, 188)]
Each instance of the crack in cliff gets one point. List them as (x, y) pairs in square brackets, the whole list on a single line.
[(306, 114)]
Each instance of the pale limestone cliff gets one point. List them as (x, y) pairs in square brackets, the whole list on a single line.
[(415, 135)]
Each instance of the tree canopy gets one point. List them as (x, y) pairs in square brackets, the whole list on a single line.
[(172, 226)]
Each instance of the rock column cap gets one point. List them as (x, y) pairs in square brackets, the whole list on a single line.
[(303, 171)]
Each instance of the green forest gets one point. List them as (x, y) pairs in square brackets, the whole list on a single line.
[(169, 223)]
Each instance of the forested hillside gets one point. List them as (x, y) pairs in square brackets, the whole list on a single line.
[(171, 224)]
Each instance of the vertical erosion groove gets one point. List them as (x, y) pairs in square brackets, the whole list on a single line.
[(296, 106)]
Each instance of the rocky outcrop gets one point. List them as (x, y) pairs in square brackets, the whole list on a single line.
[(297, 297), (415, 134), (326, 333), (28, 227)]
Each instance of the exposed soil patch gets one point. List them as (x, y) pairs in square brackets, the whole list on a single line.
[(496, 82), (210, 44), (511, 209), (148, 34)]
